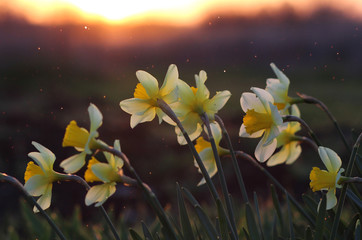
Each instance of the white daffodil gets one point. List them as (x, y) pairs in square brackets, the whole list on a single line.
[(204, 149), (327, 180), (144, 107), (262, 119), (278, 88), (82, 140), (193, 102), (109, 173), (39, 177), (289, 143)]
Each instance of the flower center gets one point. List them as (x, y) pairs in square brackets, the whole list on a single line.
[(31, 170), (321, 179), (254, 121), (89, 176), (140, 92), (75, 136), (201, 144)]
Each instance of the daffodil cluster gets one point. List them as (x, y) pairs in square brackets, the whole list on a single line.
[(188, 103)]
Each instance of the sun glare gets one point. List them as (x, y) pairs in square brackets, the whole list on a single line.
[(117, 10)]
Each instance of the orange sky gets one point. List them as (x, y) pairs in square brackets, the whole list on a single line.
[(185, 12)]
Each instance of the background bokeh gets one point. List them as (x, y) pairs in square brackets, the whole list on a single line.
[(50, 73)]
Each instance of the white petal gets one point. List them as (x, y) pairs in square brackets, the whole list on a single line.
[(295, 110), (99, 193), (171, 97), (280, 75), (170, 82), (243, 133), (36, 185), (149, 115), (264, 97), (277, 119), (331, 198), (280, 157), (186, 95), (43, 163), (44, 200), (295, 151), (208, 160), (271, 134), (135, 106), (74, 163), (330, 159), (48, 156), (149, 82), (262, 151), (249, 101), (95, 117), (103, 171), (217, 102)]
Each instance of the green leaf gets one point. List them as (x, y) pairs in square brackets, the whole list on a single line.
[(204, 219), (355, 199), (146, 232), (258, 215), (184, 218), (134, 235), (222, 221), (277, 207), (308, 233), (320, 220), (310, 204), (246, 234), (250, 221), (291, 227), (358, 232)]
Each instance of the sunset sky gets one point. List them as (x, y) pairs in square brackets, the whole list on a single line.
[(186, 12)]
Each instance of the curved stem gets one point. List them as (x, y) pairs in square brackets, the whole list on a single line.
[(169, 112), (234, 160), (276, 182), (220, 170), (18, 185), (81, 181), (320, 104), (147, 191), (342, 196), (290, 118), (306, 140)]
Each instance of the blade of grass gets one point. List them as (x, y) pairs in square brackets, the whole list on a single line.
[(258, 215), (250, 221), (184, 218), (290, 218), (320, 221), (146, 232), (277, 207), (134, 235)]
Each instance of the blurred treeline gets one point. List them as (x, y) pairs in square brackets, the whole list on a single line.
[(50, 74)]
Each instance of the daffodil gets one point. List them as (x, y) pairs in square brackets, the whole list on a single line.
[(204, 149), (193, 102), (278, 88), (262, 119), (109, 173), (39, 176), (82, 140), (327, 180), (144, 107), (289, 143)]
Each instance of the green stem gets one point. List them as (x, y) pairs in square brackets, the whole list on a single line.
[(234, 160), (169, 112), (344, 180), (306, 140), (290, 118), (312, 100), (268, 174), (16, 183), (220, 170), (81, 181), (342, 196), (147, 191)]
